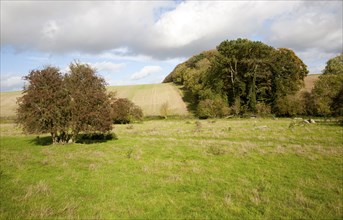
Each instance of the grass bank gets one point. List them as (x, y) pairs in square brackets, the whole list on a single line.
[(236, 168)]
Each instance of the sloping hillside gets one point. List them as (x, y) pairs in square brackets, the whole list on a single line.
[(149, 97), (309, 82)]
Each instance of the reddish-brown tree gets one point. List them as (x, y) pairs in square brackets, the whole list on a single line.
[(65, 105)]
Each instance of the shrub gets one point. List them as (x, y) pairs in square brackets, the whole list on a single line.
[(263, 109), (124, 111), (290, 105), (209, 108)]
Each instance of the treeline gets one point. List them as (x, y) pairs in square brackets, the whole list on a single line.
[(249, 77), (67, 105)]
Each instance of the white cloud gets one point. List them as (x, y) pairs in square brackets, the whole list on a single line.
[(152, 30), (310, 25), (145, 71), (182, 30), (9, 83), (108, 67)]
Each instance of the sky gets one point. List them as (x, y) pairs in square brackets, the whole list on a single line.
[(141, 42)]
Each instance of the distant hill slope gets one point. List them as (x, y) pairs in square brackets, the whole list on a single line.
[(152, 96), (149, 97), (309, 82)]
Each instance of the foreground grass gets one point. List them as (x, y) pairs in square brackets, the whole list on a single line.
[(254, 168)]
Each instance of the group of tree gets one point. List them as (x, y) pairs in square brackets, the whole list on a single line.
[(66, 105), (243, 76)]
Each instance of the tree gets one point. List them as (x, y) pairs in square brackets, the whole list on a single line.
[(89, 106), (250, 75), (334, 65), (43, 107), (125, 111), (288, 77), (64, 105), (248, 72), (326, 92)]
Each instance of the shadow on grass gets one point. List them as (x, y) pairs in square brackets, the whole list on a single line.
[(95, 138), (42, 141), (81, 139)]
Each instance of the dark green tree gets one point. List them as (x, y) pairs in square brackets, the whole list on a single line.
[(249, 75), (288, 77)]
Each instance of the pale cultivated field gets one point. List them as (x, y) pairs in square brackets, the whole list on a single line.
[(149, 97), (309, 82), (8, 104)]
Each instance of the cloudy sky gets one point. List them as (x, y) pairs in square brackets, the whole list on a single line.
[(139, 42)]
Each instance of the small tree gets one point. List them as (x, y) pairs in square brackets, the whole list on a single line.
[(90, 106), (64, 105), (124, 111), (43, 107)]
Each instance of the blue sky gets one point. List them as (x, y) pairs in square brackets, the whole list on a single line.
[(139, 42)]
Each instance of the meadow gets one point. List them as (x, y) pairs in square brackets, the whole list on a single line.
[(209, 169)]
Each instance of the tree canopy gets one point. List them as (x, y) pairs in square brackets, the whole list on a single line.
[(244, 74), (64, 105), (334, 65)]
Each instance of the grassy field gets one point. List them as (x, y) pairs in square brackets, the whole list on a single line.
[(229, 168)]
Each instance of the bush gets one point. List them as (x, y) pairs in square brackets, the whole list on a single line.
[(290, 105), (212, 108), (263, 109), (327, 94), (124, 111)]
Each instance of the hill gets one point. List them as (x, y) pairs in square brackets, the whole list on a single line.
[(149, 97), (309, 82)]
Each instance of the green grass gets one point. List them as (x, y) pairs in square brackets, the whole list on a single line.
[(237, 168)]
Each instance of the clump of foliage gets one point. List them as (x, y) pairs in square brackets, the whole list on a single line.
[(64, 105), (334, 65), (327, 95), (125, 111), (249, 75), (209, 108)]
